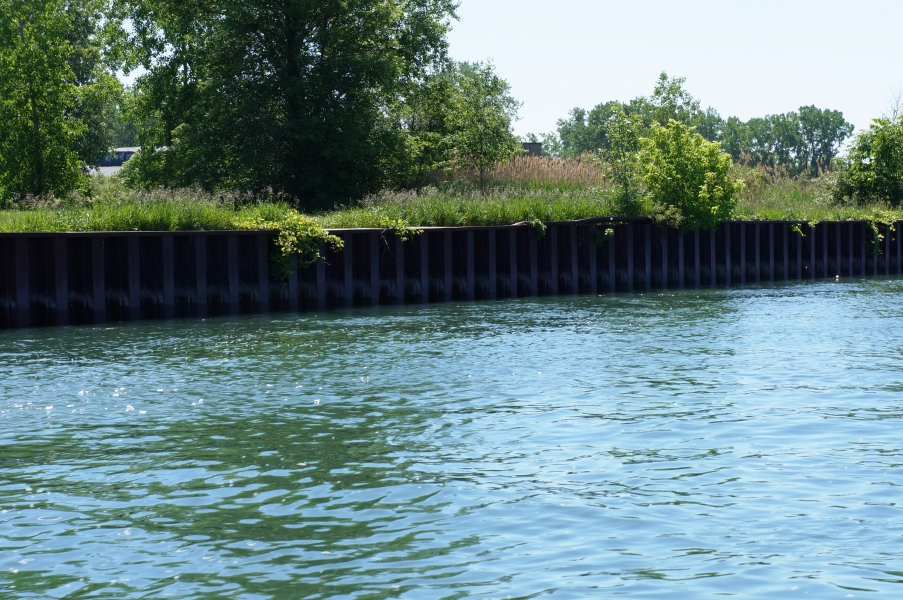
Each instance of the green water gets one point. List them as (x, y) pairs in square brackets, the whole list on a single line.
[(685, 444)]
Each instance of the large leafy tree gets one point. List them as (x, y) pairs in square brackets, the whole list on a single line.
[(589, 131), (803, 142), (481, 120), (55, 83), (873, 170), (296, 95)]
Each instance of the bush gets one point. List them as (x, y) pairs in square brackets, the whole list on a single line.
[(688, 178), (873, 170)]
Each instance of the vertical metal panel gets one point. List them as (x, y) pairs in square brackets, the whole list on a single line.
[(862, 246), (232, 266), (263, 276), (23, 292), (98, 276), (852, 243), (424, 267), (897, 236), (169, 281), (824, 250), (61, 273), (612, 283), (292, 284), (838, 245), (592, 248), (758, 227), (575, 272), (680, 259), (799, 255), (553, 256), (812, 252), (348, 264), (727, 253), (374, 268), (399, 270), (447, 261), (786, 251), (697, 261), (713, 257), (493, 265), (512, 260), (742, 253), (534, 267), (664, 234), (886, 251), (470, 265), (771, 252), (647, 250), (135, 278), (321, 278), (630, 257)]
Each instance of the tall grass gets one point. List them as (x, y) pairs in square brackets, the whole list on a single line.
[(447, 208), (527, 189)]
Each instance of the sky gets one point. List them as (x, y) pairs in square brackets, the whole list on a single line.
[(745, 59)]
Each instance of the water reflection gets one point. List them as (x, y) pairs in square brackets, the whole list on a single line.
[(694, 442)]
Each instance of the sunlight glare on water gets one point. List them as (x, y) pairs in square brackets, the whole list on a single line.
[(687, 444)]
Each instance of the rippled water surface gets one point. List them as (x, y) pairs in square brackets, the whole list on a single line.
[(685, 444)]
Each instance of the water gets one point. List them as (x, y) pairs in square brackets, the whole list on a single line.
[(683, 444)]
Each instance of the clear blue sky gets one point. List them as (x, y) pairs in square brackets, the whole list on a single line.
[(745, 59)]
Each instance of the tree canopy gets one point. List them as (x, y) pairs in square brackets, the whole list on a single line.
[(55, 87), (293, 95), (796, 142)]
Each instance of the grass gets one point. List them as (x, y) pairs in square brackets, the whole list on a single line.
[(527, 189)]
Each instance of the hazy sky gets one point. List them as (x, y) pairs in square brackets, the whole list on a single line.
[(745, 59)]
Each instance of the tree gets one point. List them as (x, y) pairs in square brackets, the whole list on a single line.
[(481, 119), (586, 132), (873, 170), (687, 177), (621, 155), (56, 90), (296, 95)]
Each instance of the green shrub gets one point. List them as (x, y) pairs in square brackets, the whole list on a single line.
[(873, 171), (688, 178)]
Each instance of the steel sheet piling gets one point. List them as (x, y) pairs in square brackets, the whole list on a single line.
[(232, 266), (575, 272), (512, 260), (647, 251), (399, 270), (742, 253), (851, 245), (680, 258), (758, 233), (713, 258), (134, 270), (347, 254), (98, 276), (321, 277), (553, 257), (169, 284), (447, 263), (592, 248), (696, 260), (612, 283), (470, 266), (61, 276), (771, 252), (291, 284), (263, 277), (23, 293), (727, 254), (424, 267), (785, 245), (493, 265), (374, 268), (630, 257), (534, 267), (664, 236)]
